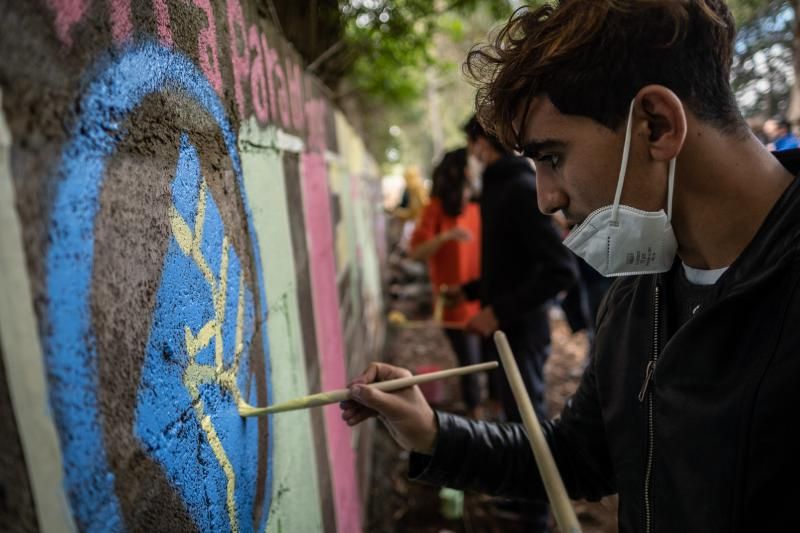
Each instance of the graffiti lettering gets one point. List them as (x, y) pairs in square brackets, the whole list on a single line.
[(68, 13), (207, 46), (270, 59), (296, 93), (264, 84), (121, 24), (239, 53), (162, 22), (258, 88), (315, 111), (282, 89)]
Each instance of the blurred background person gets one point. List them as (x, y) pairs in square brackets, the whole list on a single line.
[(408, 278), (415, 198), (778, 132), (524, 267), (448, 236)]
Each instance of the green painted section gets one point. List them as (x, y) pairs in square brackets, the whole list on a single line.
[(361, 214), (295, 494)]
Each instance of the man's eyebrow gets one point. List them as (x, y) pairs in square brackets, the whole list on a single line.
[(533, 148)]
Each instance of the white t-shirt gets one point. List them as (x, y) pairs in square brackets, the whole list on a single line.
[(698, 276)]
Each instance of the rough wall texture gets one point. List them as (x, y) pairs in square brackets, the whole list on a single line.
[(187, 223)]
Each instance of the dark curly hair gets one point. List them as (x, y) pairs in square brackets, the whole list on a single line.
[(591, 57), (449, 179)]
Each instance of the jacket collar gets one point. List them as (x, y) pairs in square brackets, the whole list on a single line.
[(776, 241)]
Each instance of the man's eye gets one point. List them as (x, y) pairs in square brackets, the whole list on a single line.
[(549, 159)]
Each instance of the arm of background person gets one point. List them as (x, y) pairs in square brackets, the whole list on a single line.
[(428, 237), (424, 250)]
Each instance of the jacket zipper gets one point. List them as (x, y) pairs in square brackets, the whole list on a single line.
[(648, 377)]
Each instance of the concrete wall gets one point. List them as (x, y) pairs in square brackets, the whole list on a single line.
[(186, 222)]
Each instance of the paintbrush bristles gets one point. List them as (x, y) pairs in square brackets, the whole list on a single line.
[(335, 396)]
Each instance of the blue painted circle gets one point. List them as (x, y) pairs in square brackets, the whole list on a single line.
[(119, 85)]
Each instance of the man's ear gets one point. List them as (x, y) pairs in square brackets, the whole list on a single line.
[(666, 121)]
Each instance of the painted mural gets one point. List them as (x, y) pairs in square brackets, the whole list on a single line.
[(189, 225)]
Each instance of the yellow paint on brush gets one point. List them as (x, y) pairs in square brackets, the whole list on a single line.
[(197, 374), (304, 402)]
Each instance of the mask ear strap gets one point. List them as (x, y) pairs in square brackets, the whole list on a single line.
[(671, 182), (624, 167)]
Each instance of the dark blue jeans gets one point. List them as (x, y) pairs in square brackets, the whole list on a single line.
[(467, 347)]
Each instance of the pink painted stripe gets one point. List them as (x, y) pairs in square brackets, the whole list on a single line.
[(68, 13), (121, 22), (316, 202), (162, 22)]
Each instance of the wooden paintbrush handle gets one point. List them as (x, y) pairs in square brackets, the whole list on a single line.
[(402, 383), (335, 396), (553, 484)]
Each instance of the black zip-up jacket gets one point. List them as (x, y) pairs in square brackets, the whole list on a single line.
[(698, 432), (523, 263)]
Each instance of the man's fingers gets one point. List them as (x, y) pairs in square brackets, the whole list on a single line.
[(360, 417), (380, 372), (357, 410), (387, 404), (348, 404)]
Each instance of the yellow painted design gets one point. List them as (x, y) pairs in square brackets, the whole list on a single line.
[(197, 374)]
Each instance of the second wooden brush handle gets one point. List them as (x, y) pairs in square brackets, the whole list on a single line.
[(553, 484)]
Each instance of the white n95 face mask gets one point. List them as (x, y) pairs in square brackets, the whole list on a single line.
[(618, 240)]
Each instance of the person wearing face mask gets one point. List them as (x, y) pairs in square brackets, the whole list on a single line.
[(523, 264), (687, 409), (523, 268)]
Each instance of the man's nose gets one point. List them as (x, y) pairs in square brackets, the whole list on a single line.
[(550, 198)]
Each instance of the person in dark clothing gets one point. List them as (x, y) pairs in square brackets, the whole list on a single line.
[(582, 301), (523, 267), (687, 409), (523, 264)]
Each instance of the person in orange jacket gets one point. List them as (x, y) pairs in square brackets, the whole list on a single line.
[(448, 236)]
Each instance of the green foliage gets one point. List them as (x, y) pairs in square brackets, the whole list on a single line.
[(745, 11), (391, 42), (763, 66), (398, 49)]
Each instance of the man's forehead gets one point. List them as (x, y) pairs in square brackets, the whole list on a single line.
[(539, 120)]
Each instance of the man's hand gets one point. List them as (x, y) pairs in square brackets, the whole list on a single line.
[(405, 413), (484, 323)]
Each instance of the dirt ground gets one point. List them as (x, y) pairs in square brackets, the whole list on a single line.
[(398, 505)]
